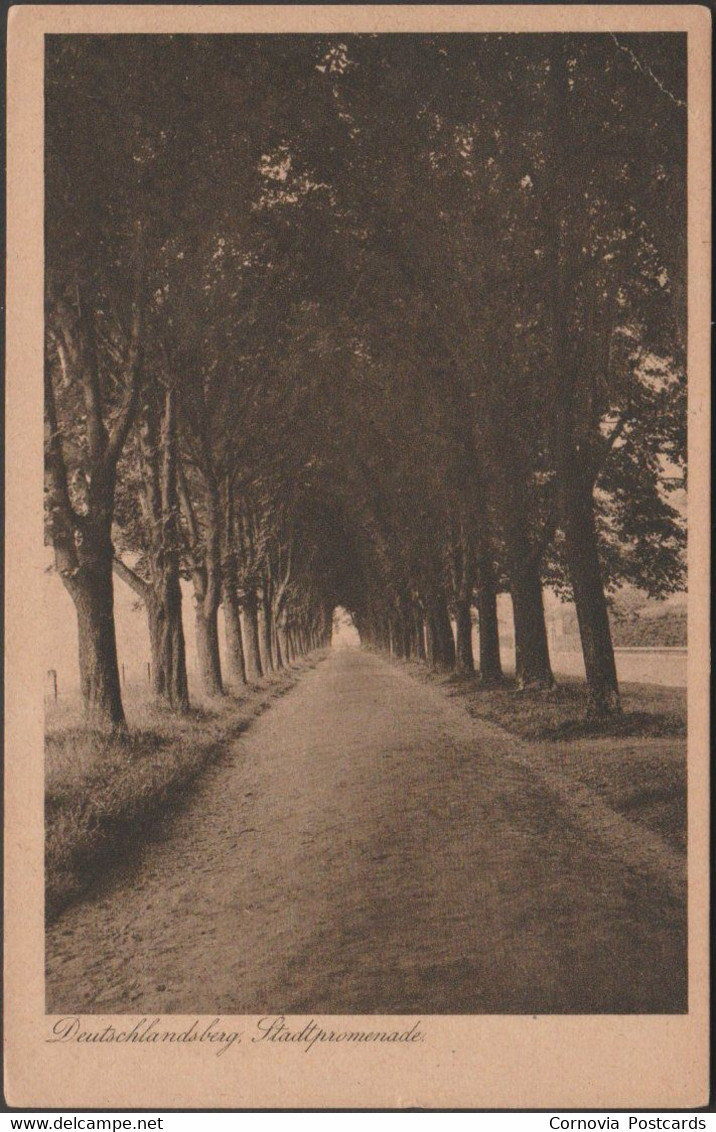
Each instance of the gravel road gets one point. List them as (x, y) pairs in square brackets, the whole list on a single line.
[(367, 847)]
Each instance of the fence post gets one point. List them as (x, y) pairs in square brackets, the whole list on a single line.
[(149, 673)]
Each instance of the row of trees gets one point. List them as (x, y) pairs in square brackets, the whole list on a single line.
[(394, 323)]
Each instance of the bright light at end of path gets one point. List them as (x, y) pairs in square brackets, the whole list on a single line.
[(345, 635)]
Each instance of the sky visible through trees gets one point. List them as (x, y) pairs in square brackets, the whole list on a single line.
[(394, 323)]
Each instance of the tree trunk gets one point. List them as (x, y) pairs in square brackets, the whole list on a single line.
[(155, 618), (429, 640), (283, 641), (266, 634), (84, 558), (207, 650), (235, 661), (418, 634), (176, 687), (490, 663), (252, 650), (398, 637), (532, 663), (464, 660), (443, 642), (162, 593), (173, 648), (82, 542), (588, 588), (92, 591), (166, 635), (407, 624), (278, 655), (163, 602)]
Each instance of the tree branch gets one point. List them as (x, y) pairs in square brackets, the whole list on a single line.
[(187, 506), (89, 377), (133, 369), (54, 456), (63, 520), (132, 579)]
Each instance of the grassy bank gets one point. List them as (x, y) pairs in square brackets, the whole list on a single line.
[(103, 793), (636, 765), (650, 710)]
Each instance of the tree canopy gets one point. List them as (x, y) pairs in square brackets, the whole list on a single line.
[(391, 322)]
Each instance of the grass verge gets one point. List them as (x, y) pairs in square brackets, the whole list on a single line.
[(650, 711), (636, 764), (103, 792)]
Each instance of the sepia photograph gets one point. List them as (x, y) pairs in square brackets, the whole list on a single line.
[(365, 357), (366, 561)]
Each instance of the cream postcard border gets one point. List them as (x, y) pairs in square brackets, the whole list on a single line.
[(465, 1061)]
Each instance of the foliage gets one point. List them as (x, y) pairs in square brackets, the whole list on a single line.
[(407, 290)]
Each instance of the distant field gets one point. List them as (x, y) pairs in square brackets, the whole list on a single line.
[(667, 630), (664, 667), (652, 666)]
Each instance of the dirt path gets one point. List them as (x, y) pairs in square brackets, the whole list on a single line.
[(369, 848)]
